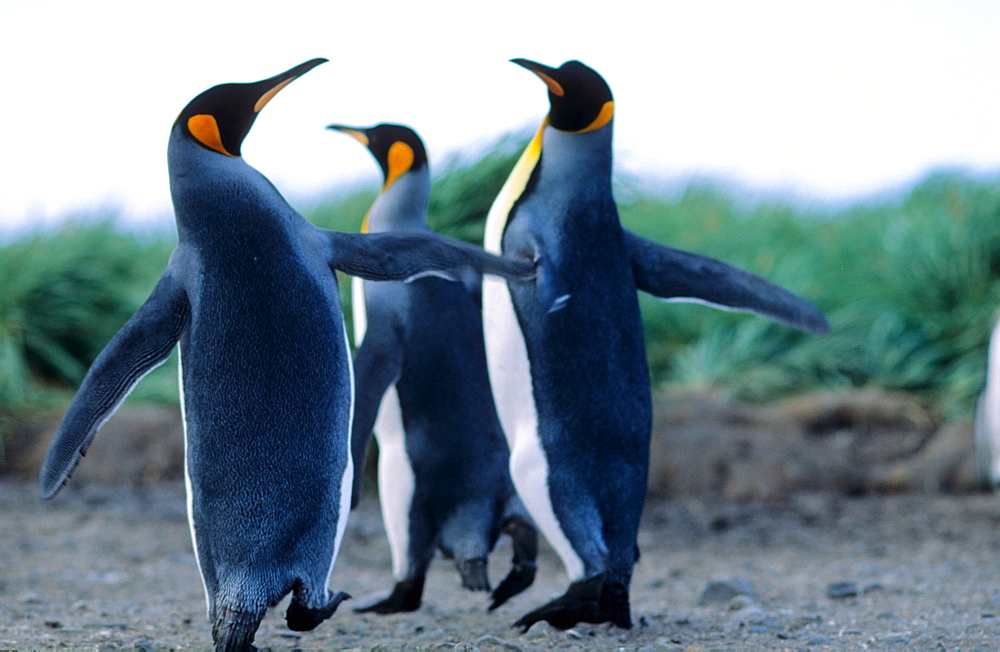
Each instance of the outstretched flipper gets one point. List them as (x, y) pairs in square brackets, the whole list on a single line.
[(522, 572), (406, 256), (675, 275), (142, 344), (376, 367)]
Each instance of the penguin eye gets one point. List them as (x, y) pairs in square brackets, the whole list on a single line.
[(205, 130)]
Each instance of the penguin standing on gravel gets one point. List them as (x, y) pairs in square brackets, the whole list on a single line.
[(566, 354), (443, 476), (250, 295)]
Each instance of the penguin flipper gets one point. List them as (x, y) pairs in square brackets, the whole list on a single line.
[(376, 368), (675, 275), (407, 256), (142, 344)]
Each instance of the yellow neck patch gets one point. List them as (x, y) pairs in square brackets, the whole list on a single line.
[(266, 97), (206, 131), (513, 188), (400, 158), (603, 118)]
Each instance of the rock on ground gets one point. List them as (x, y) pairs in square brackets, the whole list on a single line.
[(111, 566)]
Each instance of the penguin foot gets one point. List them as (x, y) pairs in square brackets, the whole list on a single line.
[(233, 630), (303, 619), (520, 577), (580, 604), (615, 605), (405, 596), (473, 572)]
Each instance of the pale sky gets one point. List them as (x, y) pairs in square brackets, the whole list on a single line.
[(831, 100)]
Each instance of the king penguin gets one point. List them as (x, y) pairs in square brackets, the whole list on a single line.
[(986, 425), (421, 379), (250, 295), (565, 352)]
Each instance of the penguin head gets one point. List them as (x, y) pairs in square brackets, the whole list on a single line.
[(220, 118), (579, 98), (397, 148), (400, 153)]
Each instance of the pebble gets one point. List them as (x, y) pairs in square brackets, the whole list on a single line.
[(493, 641), (722, 591), (841, 590)]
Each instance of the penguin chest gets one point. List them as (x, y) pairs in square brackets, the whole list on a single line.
[(266, 367)]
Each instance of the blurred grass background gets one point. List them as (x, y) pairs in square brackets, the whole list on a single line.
[(910, 282)]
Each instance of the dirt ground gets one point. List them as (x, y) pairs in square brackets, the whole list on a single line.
[(110, 566)]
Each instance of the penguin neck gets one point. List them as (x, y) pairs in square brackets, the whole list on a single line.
[(403, 205), (574, 159), (217, 197)]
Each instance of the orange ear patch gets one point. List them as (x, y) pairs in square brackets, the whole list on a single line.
[(400, 158), (603, 118), (206, 131)]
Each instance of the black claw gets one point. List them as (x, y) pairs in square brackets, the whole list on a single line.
[(303, 619), (405, 596), (587, 601), (521, 576)]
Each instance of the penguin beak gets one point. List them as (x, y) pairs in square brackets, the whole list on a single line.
[(276, 83), (221, 117), (545, 73), (355, 132)]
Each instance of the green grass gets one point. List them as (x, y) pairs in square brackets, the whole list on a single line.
[(64, 294), (911, 287), (910, 283)]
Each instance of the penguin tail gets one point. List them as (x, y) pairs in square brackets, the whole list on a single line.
[(473, 574), (234, 630), (523, 566)]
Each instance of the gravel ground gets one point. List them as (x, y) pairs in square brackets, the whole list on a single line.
[(111, 566)]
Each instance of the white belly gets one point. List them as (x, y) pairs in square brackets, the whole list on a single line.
[(395, 481), (510, 378)]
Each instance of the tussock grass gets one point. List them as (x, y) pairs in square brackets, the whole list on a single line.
[(911, 285)]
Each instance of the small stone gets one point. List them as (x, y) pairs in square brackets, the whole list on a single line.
[(493, 641), (740, 602), (841, 590), (720, 591)]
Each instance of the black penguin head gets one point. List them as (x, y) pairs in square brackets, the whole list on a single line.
[(221, 117), (579, 98), (397, 148)]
